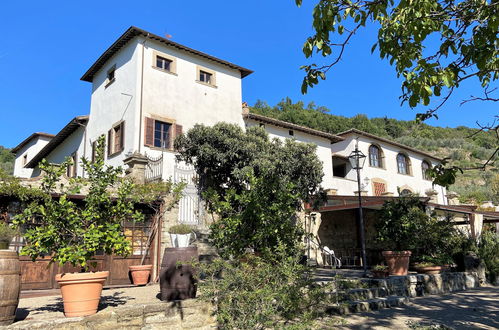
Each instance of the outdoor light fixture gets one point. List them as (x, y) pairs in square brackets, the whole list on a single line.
[(357, 160)]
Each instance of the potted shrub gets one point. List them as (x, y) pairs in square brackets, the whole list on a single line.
[(380, 271), (429, 268), (7, 233), (180, 235), (10, 279), (398, 226), (71, 232)]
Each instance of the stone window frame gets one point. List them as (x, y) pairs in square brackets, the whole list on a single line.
[(381, 156), (423, 171), (213, 80), (173, 63), (408, 164)]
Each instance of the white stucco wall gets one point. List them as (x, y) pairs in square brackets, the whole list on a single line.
[(71, 144), (117, 101), (180, 97), (30, 149), (323, 147), (389, 173)]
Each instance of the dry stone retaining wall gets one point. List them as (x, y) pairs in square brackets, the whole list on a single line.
[(186, 314)]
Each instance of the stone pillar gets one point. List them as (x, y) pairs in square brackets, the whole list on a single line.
[(452, 198), (433, 195), (136, 167), (332, 192)]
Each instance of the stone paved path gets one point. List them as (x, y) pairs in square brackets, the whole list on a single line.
[(473, 309)]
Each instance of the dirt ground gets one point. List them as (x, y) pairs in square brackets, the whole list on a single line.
[(473, 309)]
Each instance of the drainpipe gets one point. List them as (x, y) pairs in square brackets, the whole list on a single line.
[(141, 95)]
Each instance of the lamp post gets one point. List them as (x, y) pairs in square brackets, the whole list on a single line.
[(357, 159)]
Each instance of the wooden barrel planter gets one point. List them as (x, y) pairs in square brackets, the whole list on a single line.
[(176, 279), (10, 285)]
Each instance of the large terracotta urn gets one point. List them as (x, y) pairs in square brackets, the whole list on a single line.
[(81, 292), (397, 262)]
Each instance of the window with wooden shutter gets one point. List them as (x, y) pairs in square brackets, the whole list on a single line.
[(160, 134), (94, 151), (116, 139)]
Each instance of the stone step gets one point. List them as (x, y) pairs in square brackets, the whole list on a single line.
[(368, 305), (365, 294)]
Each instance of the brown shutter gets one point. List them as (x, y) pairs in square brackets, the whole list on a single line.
[(149, 132), (122, 137), (94, 150), (109, 142), (169, 143), (178, 132)]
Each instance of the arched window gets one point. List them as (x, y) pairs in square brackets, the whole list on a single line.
[(405, 192), (425, 166), (403, 165), (375, 156)]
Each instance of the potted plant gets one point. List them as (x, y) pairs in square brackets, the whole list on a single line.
[(380, 271), (429, 268), (180, 235), (399, 224), (7, 233), (72, 231), (10, 276)]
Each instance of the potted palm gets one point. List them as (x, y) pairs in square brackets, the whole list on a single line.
[(398, 228), (180, 235), (72, 232)]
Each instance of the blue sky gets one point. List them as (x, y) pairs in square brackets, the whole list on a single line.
[(47, 46)]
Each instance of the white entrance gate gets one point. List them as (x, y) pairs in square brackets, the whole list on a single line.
[(190, 208)]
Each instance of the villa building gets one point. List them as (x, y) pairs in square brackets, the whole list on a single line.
[(146, 90)]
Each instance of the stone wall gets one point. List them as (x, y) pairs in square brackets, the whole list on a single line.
[(426, 284), (186, 314)]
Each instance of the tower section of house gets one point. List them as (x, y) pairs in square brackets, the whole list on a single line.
[(390, 168), (26, 150), (146, 90)]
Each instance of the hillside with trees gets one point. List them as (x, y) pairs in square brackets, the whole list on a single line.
[(467, 148), (6, 160)]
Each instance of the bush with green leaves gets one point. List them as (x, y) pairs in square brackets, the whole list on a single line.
[(181, 229), (71, 232), (255, 185), (7, 233), (399, 223), (488, 251), (262, 293)]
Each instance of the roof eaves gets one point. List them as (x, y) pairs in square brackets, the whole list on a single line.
[(28, 139), (132, 32), (359, 132), (285, 124), (57, 139)]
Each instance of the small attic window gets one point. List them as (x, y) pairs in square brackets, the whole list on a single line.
[(110, 77)]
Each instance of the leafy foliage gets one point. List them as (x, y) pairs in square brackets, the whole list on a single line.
[(255, 185), (73, 233), (400, 220), (488, 250), (433, 44), (262, 293), (6, 160), (7, 232), (181, 229)]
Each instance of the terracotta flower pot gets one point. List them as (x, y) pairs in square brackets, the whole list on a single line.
[(81, 292), (380, 273), (429, 269), (140, 274), (397, 262)]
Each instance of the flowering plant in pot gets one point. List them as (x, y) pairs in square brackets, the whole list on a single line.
[(180, 235), (380, 271), (71, 232), (399, 225)]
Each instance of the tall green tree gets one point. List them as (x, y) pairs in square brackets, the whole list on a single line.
[(434, 45), (254, 184)]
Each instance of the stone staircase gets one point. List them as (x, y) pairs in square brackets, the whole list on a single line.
[(357, 300), (206, 251)]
